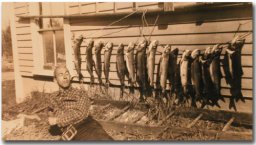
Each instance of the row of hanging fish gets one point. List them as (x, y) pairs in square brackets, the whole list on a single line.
[(195, 77)]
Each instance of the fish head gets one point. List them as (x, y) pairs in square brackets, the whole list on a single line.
[(108, 46), (154, 44), (175, 51), (120, 48), (130, 47), (98, 46), (142, 45), (216, 49), (167, 49), (207, 51), (236, 42), (195, 53), (78, 39), (186, 54), (89, 43)]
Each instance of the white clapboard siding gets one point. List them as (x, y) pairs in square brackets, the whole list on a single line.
[(179, 30)]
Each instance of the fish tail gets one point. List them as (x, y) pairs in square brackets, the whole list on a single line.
[(232, 104)]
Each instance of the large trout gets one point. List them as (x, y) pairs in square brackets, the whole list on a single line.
[(129, 58), (121, 67), (107, 55), (208, 90), (215, 71), (89, 59), (233, 69), (185, 64), (98, 65), (151, 61), (163, 72), (77, 53), (173, 56), (140, 63), (196, 76)]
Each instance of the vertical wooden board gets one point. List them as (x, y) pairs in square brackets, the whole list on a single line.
[(105, 6)]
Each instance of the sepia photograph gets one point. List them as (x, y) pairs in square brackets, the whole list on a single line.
[(127, 71)]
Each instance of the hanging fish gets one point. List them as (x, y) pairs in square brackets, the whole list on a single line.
[(121, 67), (173, 56), (208, 91), (185, 64), (164, 61), (107, 55), (215, 71), (98, 65), (233, 69), (151, 61), (77, 53), (196, 76), (89, 59), (129, 58), (140, 63)]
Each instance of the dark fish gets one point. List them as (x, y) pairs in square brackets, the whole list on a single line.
[(164, 62), (196, 76), (129, 58), (215, 71), (140, 60), (173, 56), (185, 64), (233, 69), (121, 67), (77, 53), (98, 65), (151, 61), (208, 90), (89, 59), (107, 55)]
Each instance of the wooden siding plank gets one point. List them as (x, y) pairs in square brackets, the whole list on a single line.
[(17, 5), (225, 26), (124, 5), (246, 93), (23, 30), (26, 63), (90, 8), (25, 56), (26, 43), (246, 83), (25, 50), (143, 4), (105, 6), (175, 39), (26, 69), (24, 37)]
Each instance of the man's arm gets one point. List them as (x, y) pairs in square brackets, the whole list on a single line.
[(76, 113)]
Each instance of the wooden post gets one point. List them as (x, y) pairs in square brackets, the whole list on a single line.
[(225, 128), (19, 91)]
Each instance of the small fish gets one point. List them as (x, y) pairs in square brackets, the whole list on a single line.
[(140, 60), (98, 65), (77, 53), (121, 67), (107, 55), (151, 61), (129, 58), (89, 59)]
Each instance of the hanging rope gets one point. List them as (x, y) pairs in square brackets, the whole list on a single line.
[(119, 20), (153, 27)]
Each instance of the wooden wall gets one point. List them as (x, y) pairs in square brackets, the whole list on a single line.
[(198, 29), (24, 41)]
